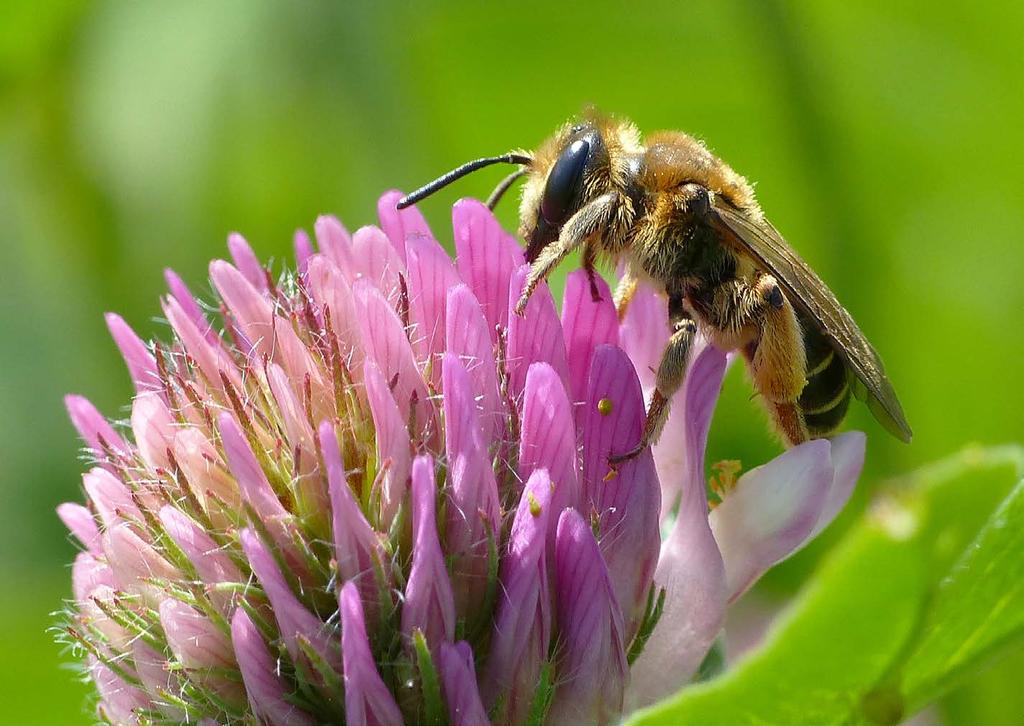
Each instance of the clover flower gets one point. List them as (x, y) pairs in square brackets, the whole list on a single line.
[(370, 494)]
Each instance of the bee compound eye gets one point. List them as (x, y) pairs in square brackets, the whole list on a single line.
[(564, 181)]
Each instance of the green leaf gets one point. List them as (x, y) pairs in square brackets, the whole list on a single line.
[(836, 643), (952, 499), (978, 607)]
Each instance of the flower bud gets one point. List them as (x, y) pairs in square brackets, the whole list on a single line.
[(265, 689), (367, 699), (429, 605), (458, 676), (592, 666), (522, 625), (202, 649)]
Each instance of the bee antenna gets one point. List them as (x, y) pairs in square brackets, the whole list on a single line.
[(455, 174), (503, 186)]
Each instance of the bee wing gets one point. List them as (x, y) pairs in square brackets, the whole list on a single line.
[(762, 242)]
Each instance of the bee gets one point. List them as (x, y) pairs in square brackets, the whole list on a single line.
[(679, 218)]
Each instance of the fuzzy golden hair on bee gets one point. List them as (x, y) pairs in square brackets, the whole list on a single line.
[(680, 219), (674, 158)]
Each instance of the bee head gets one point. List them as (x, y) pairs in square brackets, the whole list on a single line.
[(567, 172), (580, 162)]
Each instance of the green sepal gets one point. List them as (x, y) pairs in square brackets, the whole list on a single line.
[(435, 713), (542, 695), (652, 614)]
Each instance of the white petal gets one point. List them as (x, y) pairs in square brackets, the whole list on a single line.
[(771, 512)]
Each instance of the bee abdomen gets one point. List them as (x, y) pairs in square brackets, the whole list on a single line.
[(826, 397)]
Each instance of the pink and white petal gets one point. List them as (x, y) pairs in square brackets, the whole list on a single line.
[(467, 337), (357, 550), (549, 438), (628, 503), (252, 481), (691, 571), (293, 619), (93, 613), (141, 363), (247, 262), (367, 698), (847, 461), (771, 511), (690, 567), (256, 490), (586, 324), (534, 337), (303, 251), (386, 344), (82, 525), (431, 276), (394, 448), (189, 306), (429, 603), (251, 310), (486, 259), (135, 563), (296, 425), (644, 333), (206, 474), (97, 434), (593, 669), (374, 258), (158, 675), (458, 678), (153, 426), (474, 507), (679, 453), (110, 496), (211, 562), (88, 574), (334, 241), (330, 289), (266, 689), (400, 224), (208, 353), (193, 638), (521, 635), (294, 356), (119, 702)]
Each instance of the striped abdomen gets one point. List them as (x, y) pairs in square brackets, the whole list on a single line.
[(826, 397)]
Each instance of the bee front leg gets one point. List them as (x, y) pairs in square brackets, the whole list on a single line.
[(589, 220), (669, 379)]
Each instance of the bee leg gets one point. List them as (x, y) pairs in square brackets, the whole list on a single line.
[(775, 349), (589, 258), (670, 377), (587, 221), (624, 293)]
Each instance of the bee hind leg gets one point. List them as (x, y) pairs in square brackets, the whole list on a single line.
[(669, 379), (776, 357)]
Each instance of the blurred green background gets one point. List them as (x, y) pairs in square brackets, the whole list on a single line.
[(884, 138)]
